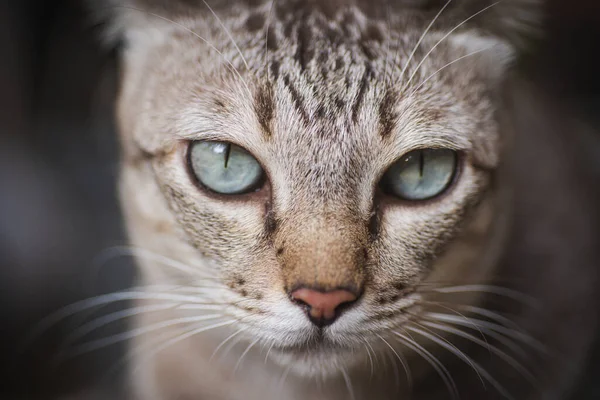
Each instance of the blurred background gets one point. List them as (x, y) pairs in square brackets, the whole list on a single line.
[(58, 167)]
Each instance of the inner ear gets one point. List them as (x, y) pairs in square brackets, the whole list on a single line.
[(494, 54)]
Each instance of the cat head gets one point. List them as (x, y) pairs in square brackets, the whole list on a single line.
[(326, 165)]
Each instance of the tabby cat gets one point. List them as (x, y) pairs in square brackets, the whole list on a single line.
[(332, 199)]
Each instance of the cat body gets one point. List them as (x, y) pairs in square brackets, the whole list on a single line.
[(326, 96)]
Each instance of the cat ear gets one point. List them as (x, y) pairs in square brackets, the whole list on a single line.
[(125, 20), (495, 55), (517, 22)]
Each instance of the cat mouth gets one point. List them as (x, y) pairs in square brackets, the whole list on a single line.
[(318, 343)]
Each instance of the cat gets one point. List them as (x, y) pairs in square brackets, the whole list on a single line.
[(333, 200)]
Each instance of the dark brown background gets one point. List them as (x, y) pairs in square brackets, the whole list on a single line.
[(58, 156)]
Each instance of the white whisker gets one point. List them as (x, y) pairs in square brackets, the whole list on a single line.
[(497, 290), (451, 347), (348, 383), (401, 359), (485, 332), (508, 359), (412, 54), (444, 67), (120, 337), (224, 342), (396, 371), (239, 362), (269, 350), (477, 328), (367, 346), (51, 320), (116, 316), (515, 348), (468, 322), (231, 67), (283, 378), (433, 361), (137, 350), (507, 322), (233, 343), (181, 337), (201, 307), (228, 34), (480, 371), (444, 38), (129, 251)]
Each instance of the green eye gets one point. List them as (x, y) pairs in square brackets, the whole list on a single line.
[(420, 174), (225, 168)]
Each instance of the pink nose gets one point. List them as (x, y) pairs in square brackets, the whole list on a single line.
[(322, 306)]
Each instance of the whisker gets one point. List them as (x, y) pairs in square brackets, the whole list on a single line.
[(433, 361), (370, 359), (181, 337), (51, 320), (231, 345), (452, 348), (507, 322), (161, 339), (375, 358), (438, 304), (231, 67), (508, 359), (113, 317), (283, 378), (492, 289), (402, 361), (210, 306), (269, 350), (228, 34), (412, 54), (501, 339), (444, 67), (348, 383), (464, 357), (120, 337), (239, 362), (225, 341), (396, 371), (135, 351), (445, 37), (194, 287), (130, 251), (511, 333)]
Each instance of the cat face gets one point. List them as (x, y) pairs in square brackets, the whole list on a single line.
[(341, 150)]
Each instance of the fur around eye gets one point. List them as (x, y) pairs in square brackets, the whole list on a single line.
[(224, 167), (420, 174)]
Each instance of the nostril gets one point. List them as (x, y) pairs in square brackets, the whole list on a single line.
[(323, 307), (301, 303)]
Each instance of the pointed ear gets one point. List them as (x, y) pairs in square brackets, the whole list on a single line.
[(110, 15), (519, 22), (123, 20)]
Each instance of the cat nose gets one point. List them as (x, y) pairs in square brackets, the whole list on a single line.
[(323, 308)]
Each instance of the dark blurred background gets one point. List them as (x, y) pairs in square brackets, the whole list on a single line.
[(58, 167)]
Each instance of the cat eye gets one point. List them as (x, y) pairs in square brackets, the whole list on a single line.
[(420, 174), (224, 167)]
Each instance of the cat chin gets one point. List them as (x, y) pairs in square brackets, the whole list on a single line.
[(317, 363)]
